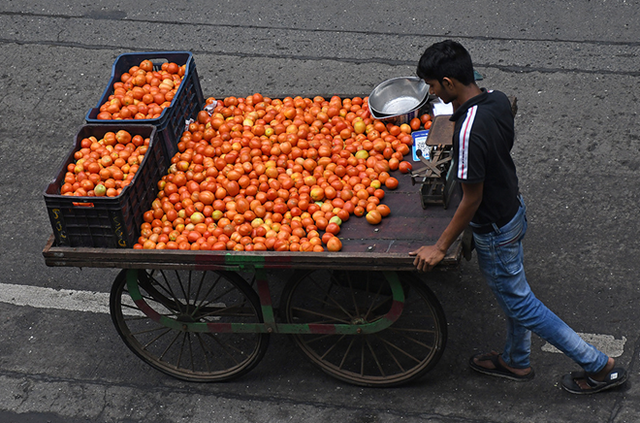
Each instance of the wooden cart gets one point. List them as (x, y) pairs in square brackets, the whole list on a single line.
[(362, 314)]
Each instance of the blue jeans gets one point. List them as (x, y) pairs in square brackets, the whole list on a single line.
[(500, 258)]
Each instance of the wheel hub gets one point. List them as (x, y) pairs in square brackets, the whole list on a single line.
[(186, 314), (358, 321)]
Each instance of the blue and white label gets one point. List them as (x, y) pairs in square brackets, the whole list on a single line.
[(420, 144)]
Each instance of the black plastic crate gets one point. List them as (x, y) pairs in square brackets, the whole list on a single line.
[(106, 222), (186, 104)]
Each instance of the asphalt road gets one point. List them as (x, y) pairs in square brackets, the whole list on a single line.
[(573, 67)]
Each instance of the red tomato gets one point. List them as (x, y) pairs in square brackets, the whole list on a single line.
[(333, 228), (374, 217), (334, 244), (391, 183), (405, 167), (123, 137)]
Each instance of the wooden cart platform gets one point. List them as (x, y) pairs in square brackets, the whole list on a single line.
[(385, 246)]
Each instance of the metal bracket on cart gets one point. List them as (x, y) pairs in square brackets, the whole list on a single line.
[(435, 177)]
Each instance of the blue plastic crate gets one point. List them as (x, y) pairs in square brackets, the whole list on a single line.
[(186, 104)]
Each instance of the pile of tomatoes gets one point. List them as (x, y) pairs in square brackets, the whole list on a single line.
[(142, 92), (104, 167), (255, 174)]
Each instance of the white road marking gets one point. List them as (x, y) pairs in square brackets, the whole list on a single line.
[(98, 302), (70, 300), (60, 299), (605, 343)]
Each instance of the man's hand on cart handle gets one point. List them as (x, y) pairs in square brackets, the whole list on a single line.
[(427, 257)]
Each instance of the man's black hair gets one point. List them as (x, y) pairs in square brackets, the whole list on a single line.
[(446, 59)]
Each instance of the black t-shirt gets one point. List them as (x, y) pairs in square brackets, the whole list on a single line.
[(482, 142)]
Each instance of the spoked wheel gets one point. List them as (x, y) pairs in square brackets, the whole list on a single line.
[(402, 352), (166, 317)]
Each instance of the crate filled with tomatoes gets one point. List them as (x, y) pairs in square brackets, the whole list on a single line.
[(104, 186), (157, 88)]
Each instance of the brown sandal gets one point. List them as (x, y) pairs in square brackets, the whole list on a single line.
[(499, 370)]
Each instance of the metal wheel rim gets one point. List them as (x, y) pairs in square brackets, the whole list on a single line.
[(336, 354), (200, 357)]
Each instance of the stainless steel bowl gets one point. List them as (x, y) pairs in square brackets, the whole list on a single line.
[(398, 96), (401, 118)]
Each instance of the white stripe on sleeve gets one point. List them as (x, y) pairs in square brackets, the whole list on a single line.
[(463, 144)]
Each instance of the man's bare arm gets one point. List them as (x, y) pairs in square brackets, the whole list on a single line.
[(428, 256)]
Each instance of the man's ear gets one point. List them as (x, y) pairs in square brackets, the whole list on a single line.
[(448, 83)]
